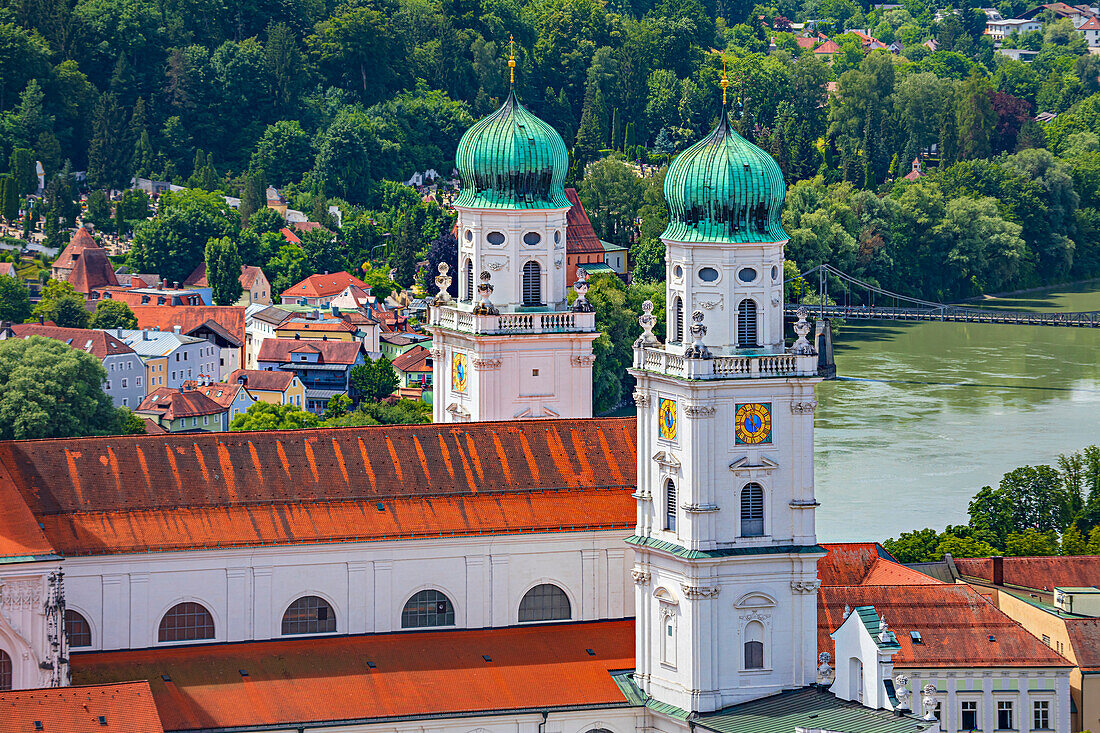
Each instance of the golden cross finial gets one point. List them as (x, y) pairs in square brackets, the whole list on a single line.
[(511, 59), (725, 81)]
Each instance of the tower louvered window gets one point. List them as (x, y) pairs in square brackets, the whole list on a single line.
[(747, 335), (752, 510), (532, 284), (670, 506), (469, 294), (678, 320)]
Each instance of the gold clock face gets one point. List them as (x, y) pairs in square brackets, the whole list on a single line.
[(458, 372), (753, 423), (667, 419)]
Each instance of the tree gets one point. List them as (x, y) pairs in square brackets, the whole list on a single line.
[(348, 153), (129, 423), (612, 195), (283, 153), (964, 547), (15, 301), (442, 249), (1093, 547), (254, 195), (63, 305), (21, 165), (223, 270), (1031, 543), (133, 208), (976, 118), (288, 266), (109, 154), (51, 390), (916, 546), (113, 314), (338, 406), (269, 416), (1073, 542), (173, 244), (9, 199), (323, 251), (405, 245), (373, 380), (99, 210)]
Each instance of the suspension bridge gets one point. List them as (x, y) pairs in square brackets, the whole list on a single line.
[(860, 300)]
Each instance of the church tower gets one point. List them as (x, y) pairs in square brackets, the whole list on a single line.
[(725, 547), (511, 347)]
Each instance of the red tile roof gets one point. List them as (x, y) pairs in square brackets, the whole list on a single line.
[(263, 380), (80, 241), (865, 563), (332, 352), (416, 359), (7, 269), (222, 393), (1092, 24), (433, 673), (580, 237), (290, 236), (139, 493), (1084, 638), (123, 707), (172, 404), (191, 317), (151, 428), (306, 226), (828, 47), (804, 42), (92, 270), (322, 325), (954, 622), (323, 286), (1036, 573), (197, 279), (99, 344), (22, 537)]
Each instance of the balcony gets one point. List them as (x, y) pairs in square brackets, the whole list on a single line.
[(457, 319), (750, 366)]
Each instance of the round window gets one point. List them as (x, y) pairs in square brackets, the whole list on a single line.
[(708, 274), (679, 271), (557, 237), (495, 238), (469, 236), (775, 272), (532, 238), (747, 275)]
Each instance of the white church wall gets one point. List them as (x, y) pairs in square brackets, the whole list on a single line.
[(1022, 687)]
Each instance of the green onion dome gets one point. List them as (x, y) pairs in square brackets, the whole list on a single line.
[(512, 160), (724, 189)]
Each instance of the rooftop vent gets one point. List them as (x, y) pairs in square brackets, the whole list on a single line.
[(371, 665), (590, 652), (166, 678), (38, 725), (486, 657)]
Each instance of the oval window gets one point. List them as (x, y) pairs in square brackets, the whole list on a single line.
[(708, 274), (747, 275), (532, 238), (469, 236), (775, 272), (679, 271), (557, 237), (495, 238)]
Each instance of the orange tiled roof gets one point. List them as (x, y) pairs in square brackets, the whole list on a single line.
[(1037, 573), (123, 707), (92, 270), (954, 622), (327, 325), (332, 352), (99, 344), (804, 42), (80, 241), (173, 404), (580, 237), (865, 563), (322, 286), (828, 46), (135, 493), (415, 674), (190, 317), (22, 536), (1084, 637), (222, 393), (197, 279), (263, 380), (290, 236), (7, 269), (415, 359)]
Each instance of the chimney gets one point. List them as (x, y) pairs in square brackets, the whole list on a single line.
[(163, 284), (176, 330), (175, 285), (998, 570), (336, 310)]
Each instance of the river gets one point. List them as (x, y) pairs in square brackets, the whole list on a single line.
[(925, 414)]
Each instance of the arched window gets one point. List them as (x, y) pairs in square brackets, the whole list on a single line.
[(752, 510), (428, 608), (670, 505), (678, 320), (855, 679), (469, 294), (186, 622), (309, 615), (546, 602), (532, 284), (668, 641), (754, 645), (746, 324), (77, 629), (5, 671)]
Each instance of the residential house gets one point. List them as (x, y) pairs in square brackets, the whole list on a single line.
[(414, 370), (614, 256), (827, 50), (8, 269), (231, 395), (999, 30), (260, 325), (1018, 54), (319, 290), (988, 672), (1078, 14), (394, 345), (1057, 599), (275, 387), (1090, 29), (582, 246), (170, 357), (183, 411), (125, 383), (223, 326), (315, 325), (255, 285), (324, 367)]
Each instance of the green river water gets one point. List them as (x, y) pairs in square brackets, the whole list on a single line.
[(925, 414)]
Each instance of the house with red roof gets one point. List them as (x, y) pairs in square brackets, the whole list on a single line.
[(582, 246), (184, 411), (65, 263), (414, 370), (319, 290), (255, 285), (324, 367), (274, 386), (221, 325), (8, 269), (1090, 29)]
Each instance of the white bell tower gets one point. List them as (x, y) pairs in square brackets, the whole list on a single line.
[(725, 546)]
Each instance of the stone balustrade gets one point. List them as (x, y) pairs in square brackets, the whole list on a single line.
[(756, 366), (513, 323)]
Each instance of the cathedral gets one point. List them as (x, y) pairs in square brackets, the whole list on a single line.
[(530, 570)]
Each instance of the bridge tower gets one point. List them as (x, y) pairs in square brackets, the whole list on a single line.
[(512, 347), (725, 546)]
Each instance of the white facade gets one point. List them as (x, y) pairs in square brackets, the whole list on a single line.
[(246, 591), (1027, 692), (529, 355)]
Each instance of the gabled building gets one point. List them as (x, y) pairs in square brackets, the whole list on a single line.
[(275, 387), (394, 345), (318, 326), (222, 326), (125, 707), (582, 246), (324, 367), (125, 383), (92, 269), (260, 325), (319, 290), (257, 288), (170, 357), (65, 263), (233, 396), (183, 411), (414, 369)]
